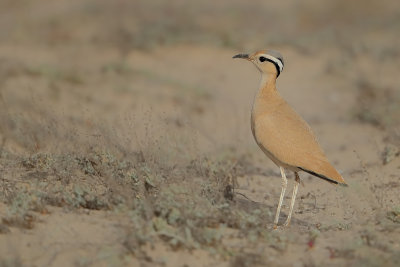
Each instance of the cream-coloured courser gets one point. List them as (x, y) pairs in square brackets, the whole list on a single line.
[(281, 133)]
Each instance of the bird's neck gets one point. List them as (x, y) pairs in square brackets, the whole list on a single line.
[(267, 85)]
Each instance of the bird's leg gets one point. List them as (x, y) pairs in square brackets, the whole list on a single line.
[(296, 186), (284, 185)]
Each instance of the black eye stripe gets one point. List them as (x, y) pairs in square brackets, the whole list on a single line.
[(263, 59)]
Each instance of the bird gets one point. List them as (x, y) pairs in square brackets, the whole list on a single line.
[(282, 134)]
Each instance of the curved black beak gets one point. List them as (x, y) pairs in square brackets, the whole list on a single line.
[(244, 56)]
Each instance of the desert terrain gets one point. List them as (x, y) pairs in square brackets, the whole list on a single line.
[(125, 133)]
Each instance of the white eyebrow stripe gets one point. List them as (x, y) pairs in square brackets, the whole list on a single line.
[(274, 59)]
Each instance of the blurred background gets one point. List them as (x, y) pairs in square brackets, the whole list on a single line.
[(98, 97), (145, 25)]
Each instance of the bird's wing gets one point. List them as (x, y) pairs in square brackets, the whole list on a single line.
[(285, 135)]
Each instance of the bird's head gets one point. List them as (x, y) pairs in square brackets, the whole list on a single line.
[(267, 61)]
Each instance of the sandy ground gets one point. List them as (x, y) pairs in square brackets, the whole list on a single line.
[(101, 143)]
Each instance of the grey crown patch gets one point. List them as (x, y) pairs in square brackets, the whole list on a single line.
[(277, 55)]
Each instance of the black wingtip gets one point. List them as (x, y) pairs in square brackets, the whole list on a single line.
[(323, 177)]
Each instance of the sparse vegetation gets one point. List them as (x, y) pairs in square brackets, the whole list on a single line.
[(378, 106), (124, 138)]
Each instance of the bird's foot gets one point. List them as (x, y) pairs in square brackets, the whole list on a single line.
[(281, 227), (286, 224)]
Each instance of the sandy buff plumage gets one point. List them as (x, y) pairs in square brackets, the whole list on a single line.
[(281, 133)]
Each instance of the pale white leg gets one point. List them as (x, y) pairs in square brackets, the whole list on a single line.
[(284, 185), (295, 188)]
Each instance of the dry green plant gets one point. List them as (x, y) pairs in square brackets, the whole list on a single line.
[(192, 215), (394, 215), (378, 106), (390, 153), (11, 262), (247, 259), (21, 210), (186, 205)]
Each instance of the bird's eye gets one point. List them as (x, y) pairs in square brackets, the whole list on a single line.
[(262, 59)]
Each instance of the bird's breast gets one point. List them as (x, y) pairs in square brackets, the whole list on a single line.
[(258, 114)]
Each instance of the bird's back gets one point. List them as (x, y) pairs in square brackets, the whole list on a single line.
[(287, 139)]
